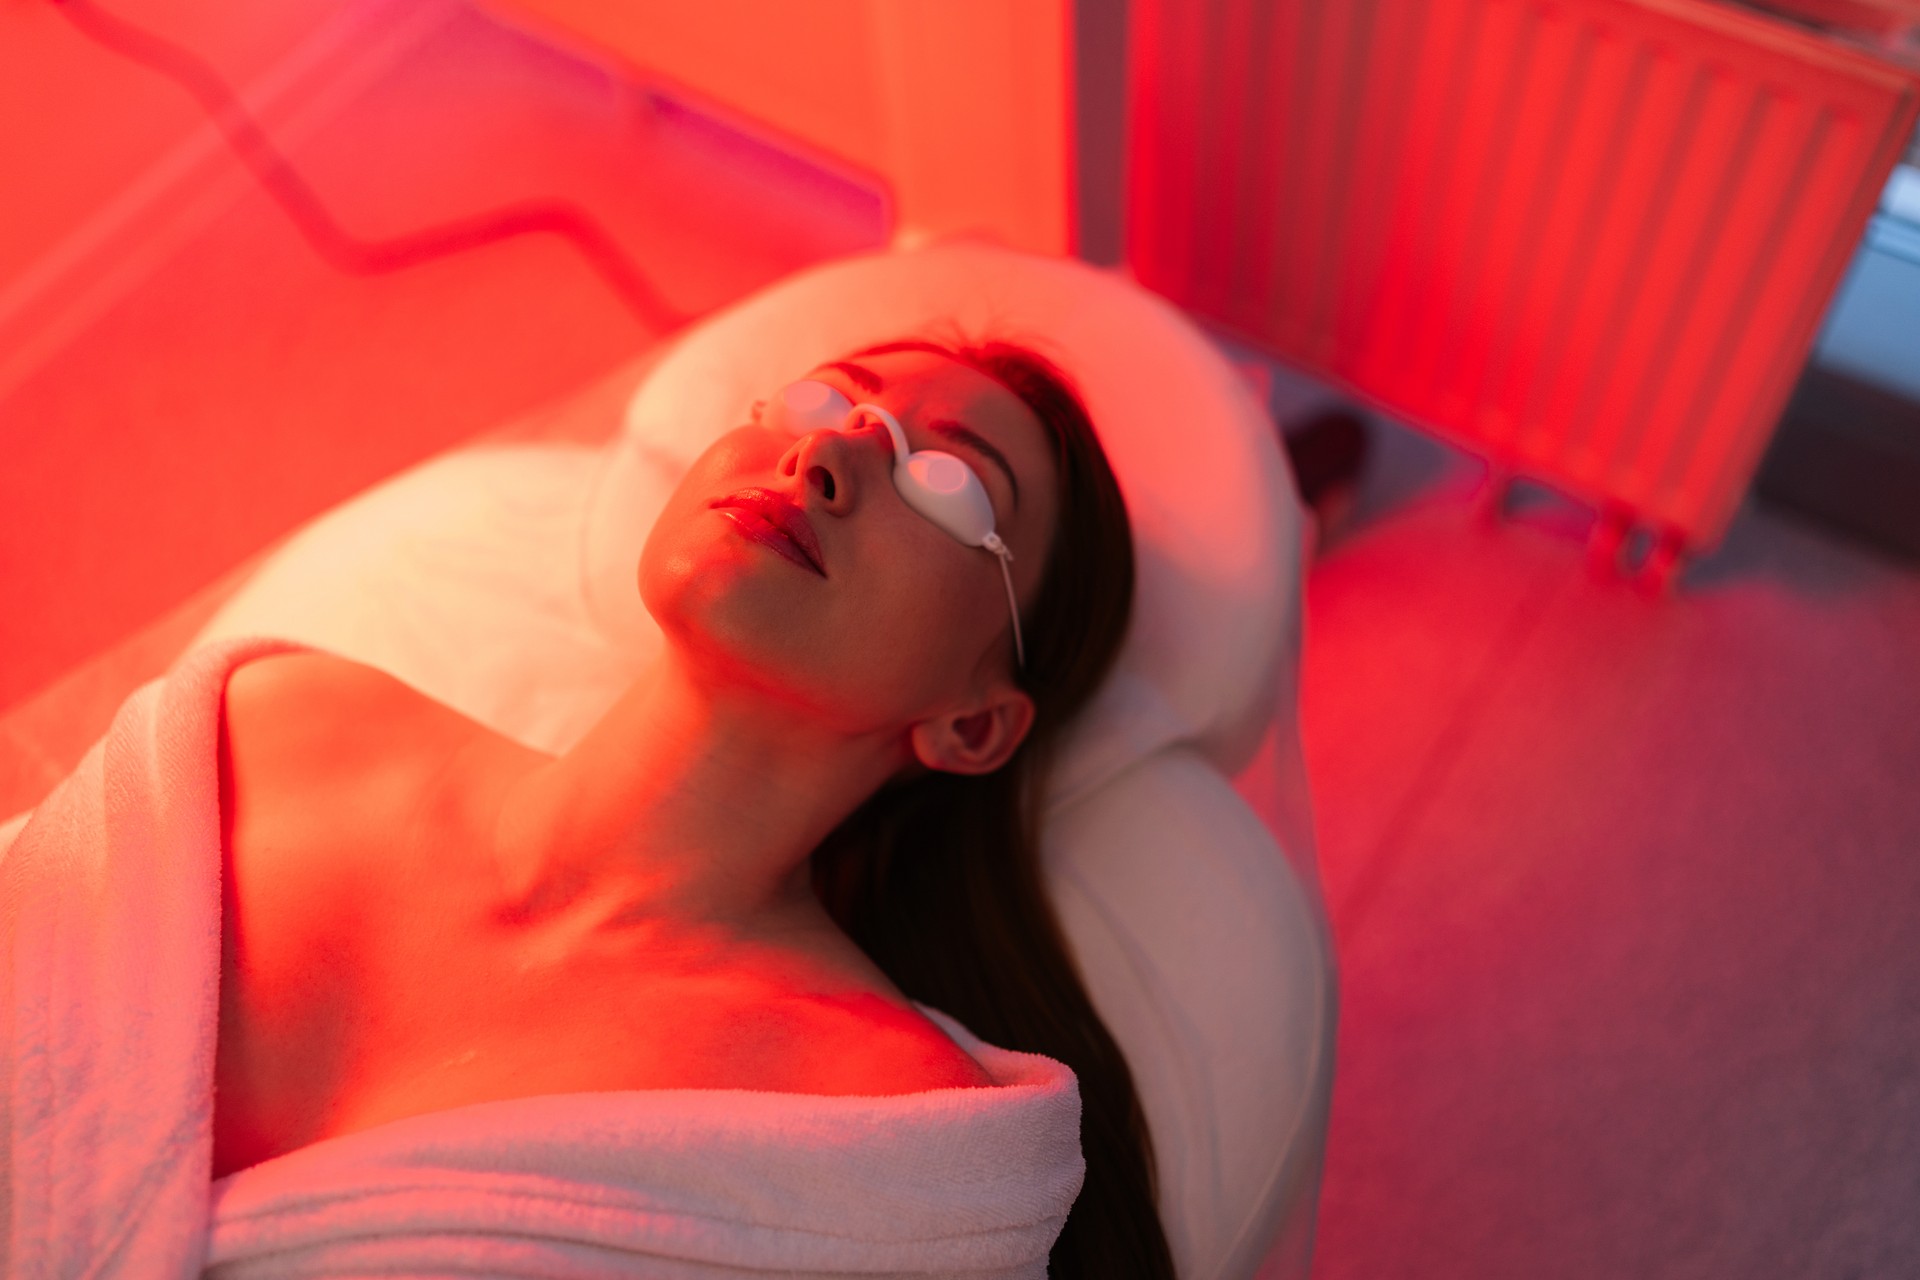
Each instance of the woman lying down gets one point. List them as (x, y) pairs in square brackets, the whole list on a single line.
[(342, 982)]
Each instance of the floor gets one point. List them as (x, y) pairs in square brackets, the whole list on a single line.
[(1625, 891)]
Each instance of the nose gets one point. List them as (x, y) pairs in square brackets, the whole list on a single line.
[(838, 466)]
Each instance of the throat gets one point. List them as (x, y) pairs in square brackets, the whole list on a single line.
[(682, 803)]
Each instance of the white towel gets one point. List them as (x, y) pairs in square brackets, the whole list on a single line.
[(109, 996)]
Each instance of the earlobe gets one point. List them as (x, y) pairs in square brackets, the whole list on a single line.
[(976, 741)]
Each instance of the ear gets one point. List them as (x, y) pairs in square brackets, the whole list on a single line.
[(976, 738)]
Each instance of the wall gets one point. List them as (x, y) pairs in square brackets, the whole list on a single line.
[(183, 379), (108, 511), (963, 108), (82, 126), (1099, 122)]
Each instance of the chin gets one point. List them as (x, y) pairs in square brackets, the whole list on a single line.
[(723, 619), (749, 621)]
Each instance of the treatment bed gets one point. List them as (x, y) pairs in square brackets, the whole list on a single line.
[(498, 578)]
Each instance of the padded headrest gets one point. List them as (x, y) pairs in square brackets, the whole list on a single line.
[(1217, 523)]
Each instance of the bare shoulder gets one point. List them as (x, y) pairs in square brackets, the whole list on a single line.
[(310, 733), (867, 1045), (310, 715), (318, 684)]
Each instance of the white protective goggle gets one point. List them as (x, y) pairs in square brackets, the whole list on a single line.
[(938, 485)]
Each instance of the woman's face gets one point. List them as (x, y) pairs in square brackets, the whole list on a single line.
[(900, 619)]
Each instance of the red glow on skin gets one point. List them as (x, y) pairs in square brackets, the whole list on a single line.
[(774, 521), (655, 876), (896, 580), (344, 1007)]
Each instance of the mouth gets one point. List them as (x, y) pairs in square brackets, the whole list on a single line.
[(775, 522)]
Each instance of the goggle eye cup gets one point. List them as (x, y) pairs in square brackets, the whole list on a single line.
[(803, 407)]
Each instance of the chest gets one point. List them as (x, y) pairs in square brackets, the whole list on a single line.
[(362, 982), (365, 975)]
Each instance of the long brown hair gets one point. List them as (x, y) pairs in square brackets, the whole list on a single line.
[(938, 878)]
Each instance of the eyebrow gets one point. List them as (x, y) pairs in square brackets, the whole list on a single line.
[(863, 377)]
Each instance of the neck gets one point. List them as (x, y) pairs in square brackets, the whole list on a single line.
[(687, 803)]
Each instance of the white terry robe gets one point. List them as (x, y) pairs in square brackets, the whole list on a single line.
[(109, 1001)]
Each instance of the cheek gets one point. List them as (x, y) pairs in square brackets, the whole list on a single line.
[(702, 582), (736, 611), (692, 575), (667, 566), (681, 542), (939, 605)]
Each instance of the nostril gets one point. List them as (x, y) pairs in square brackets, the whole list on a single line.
[(824, 478)]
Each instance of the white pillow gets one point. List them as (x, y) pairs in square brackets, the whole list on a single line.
[(501, 581), (461, 577)]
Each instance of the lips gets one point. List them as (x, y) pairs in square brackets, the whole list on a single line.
[(771, 519)]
